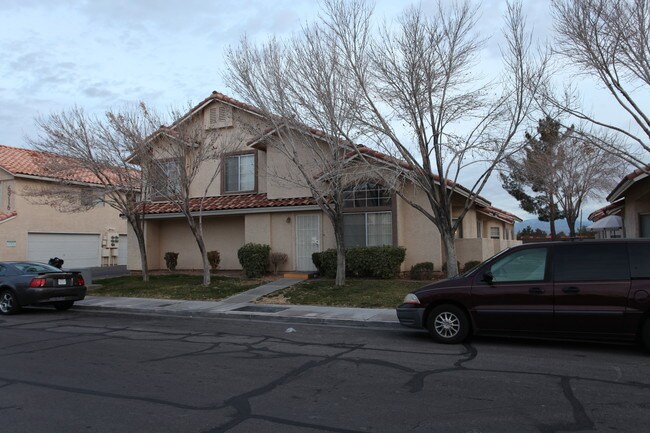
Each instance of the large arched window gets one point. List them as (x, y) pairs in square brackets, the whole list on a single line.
[(368, 218)]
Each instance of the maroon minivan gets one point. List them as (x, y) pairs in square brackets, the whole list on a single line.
[(574, 289)]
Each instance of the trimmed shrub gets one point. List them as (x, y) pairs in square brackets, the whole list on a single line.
[(254, 259), (422, 271), (471, 264), (277, 259), (325, 262), (171, 260), (375, 262), (214, 258)]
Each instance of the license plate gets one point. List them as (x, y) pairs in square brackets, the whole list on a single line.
[(62, 282)]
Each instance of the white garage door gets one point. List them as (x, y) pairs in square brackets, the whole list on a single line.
[(77, 250), (122, 248)]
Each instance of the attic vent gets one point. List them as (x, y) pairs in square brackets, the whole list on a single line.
[(218, 117)]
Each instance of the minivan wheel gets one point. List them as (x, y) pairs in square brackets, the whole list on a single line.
[(8, 302), (448, 324)]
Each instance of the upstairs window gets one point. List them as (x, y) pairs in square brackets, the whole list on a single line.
[(368, 218), (239, 173), (366, 195), (165, 178)]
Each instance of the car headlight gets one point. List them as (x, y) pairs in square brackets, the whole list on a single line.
[(411, 299)]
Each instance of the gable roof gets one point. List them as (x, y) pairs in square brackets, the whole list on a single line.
[(29, 163), (627, 181)]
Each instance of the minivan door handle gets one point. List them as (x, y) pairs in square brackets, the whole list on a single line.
[(571, 290), (536, 290)]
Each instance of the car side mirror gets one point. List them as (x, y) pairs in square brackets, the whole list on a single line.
[(488, 277)]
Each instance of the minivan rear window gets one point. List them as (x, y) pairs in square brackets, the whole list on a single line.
[(639, 260), (589, 262)]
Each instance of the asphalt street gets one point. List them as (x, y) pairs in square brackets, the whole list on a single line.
[(84, 371)]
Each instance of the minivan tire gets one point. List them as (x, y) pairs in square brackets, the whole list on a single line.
[(448, 324)]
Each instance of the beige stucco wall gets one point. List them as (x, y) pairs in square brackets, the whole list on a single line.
[(284, 180), (417, 233), (42, 218), (637, 202), (223, 233)]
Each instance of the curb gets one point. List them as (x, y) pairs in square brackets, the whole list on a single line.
[(246, 316)]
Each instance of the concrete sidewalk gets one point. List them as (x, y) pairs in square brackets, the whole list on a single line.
[(242, 306)]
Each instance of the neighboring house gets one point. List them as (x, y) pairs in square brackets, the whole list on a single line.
[(248, 202), (32, 230), (630, 200)]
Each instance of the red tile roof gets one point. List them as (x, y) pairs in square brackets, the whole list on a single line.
[(228, 202), (5, 216), (18, 161), (611, 209), (500, 214)]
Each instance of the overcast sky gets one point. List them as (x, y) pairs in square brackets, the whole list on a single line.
[(99, 54)]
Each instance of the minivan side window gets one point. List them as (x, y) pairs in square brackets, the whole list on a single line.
[(595, 262), (524, 265), (639, 260)]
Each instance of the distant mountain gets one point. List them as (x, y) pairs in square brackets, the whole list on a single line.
[(560, 225)]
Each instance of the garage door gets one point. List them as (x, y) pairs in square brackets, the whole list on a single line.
[(77, 250), (122, 248)]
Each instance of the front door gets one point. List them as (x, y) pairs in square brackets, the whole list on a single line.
[(307, 241)]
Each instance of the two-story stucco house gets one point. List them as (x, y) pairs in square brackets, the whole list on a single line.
[(247, 203), (32, 230)]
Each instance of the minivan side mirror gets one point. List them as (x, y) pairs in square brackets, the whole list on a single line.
[(488, 277)]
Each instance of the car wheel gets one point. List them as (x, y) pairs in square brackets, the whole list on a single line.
[(8, 302), (448, 324), (63, 305)]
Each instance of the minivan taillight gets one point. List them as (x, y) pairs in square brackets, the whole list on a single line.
[(38, 282), (79, 281)]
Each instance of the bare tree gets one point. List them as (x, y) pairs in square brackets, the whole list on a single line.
[(418, 75), (174, 157), (98, 150), (305, 91), (557, 171), (585, 171), (608, 40)]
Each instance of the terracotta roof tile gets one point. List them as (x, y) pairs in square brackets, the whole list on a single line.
[(5, 216), (499, 213), (228, 202), (18, 161)]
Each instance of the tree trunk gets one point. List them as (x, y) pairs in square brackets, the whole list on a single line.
[(138, 230), (340, 254), (198, 236), (450, 252), (551, 216)]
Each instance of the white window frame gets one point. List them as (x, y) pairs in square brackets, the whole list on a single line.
[(492, 232), (365, 225)]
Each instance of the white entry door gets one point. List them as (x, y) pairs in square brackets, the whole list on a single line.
[(307, 241)]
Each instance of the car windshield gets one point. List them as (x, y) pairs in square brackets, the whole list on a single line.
[(35, 268)]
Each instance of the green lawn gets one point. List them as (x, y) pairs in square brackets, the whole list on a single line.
[(356, 293), (179, 286)]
